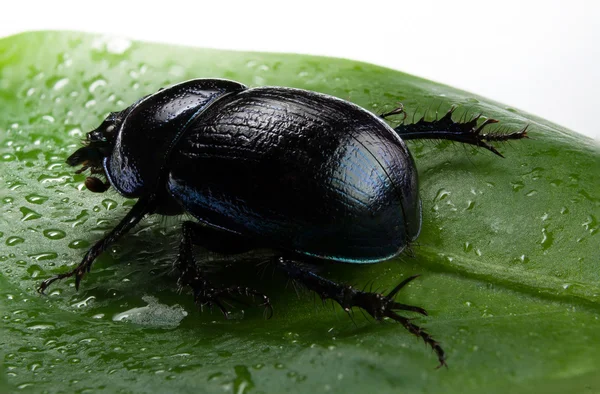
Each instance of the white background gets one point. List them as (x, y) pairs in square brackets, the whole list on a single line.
[(539, 56)]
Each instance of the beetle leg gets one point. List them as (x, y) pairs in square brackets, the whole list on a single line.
[(465, 132), (137, 212), (377, 305), (205, 293), (396, 111)]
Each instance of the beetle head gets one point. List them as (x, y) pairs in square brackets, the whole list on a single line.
[(97, 145)]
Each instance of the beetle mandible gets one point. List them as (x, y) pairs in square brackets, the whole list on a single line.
[(309, 175)]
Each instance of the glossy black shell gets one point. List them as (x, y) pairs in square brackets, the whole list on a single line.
[(292, 169), (150, 128)]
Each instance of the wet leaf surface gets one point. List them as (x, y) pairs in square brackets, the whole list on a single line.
[(508, 253)]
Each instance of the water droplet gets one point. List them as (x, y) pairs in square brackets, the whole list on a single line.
[(29, 214), (76, 132), (84, 303), (214, 376), (109, 204), (544, 217), (518, 185), (243, 380), (547, 239), (79, 244), (441, 195), (38, 326), (61, 83), (153, 314), (54, 234), (36, 199), (34, 271), (44, 256), (467, 247), (591, 224), (556, 182), (96, 84), (118, 45), (12, 241)]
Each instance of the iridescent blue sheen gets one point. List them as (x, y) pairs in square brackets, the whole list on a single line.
[(299, 171)]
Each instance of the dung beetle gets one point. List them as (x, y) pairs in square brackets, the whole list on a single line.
[(311, 176)]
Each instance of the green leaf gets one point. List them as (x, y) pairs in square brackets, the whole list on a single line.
[(508, 253)]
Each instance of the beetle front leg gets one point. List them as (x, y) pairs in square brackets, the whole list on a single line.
[(377, 305), (205, 293), (137, 212)]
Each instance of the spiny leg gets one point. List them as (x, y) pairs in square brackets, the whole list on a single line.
[(466, 132), (376, 304), (137, 212), (205, 293), (396, 111)]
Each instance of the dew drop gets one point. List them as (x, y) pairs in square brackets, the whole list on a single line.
[(12, 241), (76, 132), (96, 84), (29, 214), (79, 244), (117, 45), (61, 83), (44, 256), (441, 195), (467, 247), (84, 303), (109, 204), (243, 380), (54, 234), (34, 271), (547, 239), (516, 186)]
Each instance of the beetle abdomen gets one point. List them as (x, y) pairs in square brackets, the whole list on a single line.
[(303, 171)]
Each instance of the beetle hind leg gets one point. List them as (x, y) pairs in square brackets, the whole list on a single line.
[(465, 132), (205, 292), (378, 305)]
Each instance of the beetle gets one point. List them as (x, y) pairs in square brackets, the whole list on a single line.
[(311, 176)]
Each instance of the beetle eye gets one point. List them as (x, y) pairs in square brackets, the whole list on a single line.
[(110, 128)]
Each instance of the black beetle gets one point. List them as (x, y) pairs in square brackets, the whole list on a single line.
[(309, 175)]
